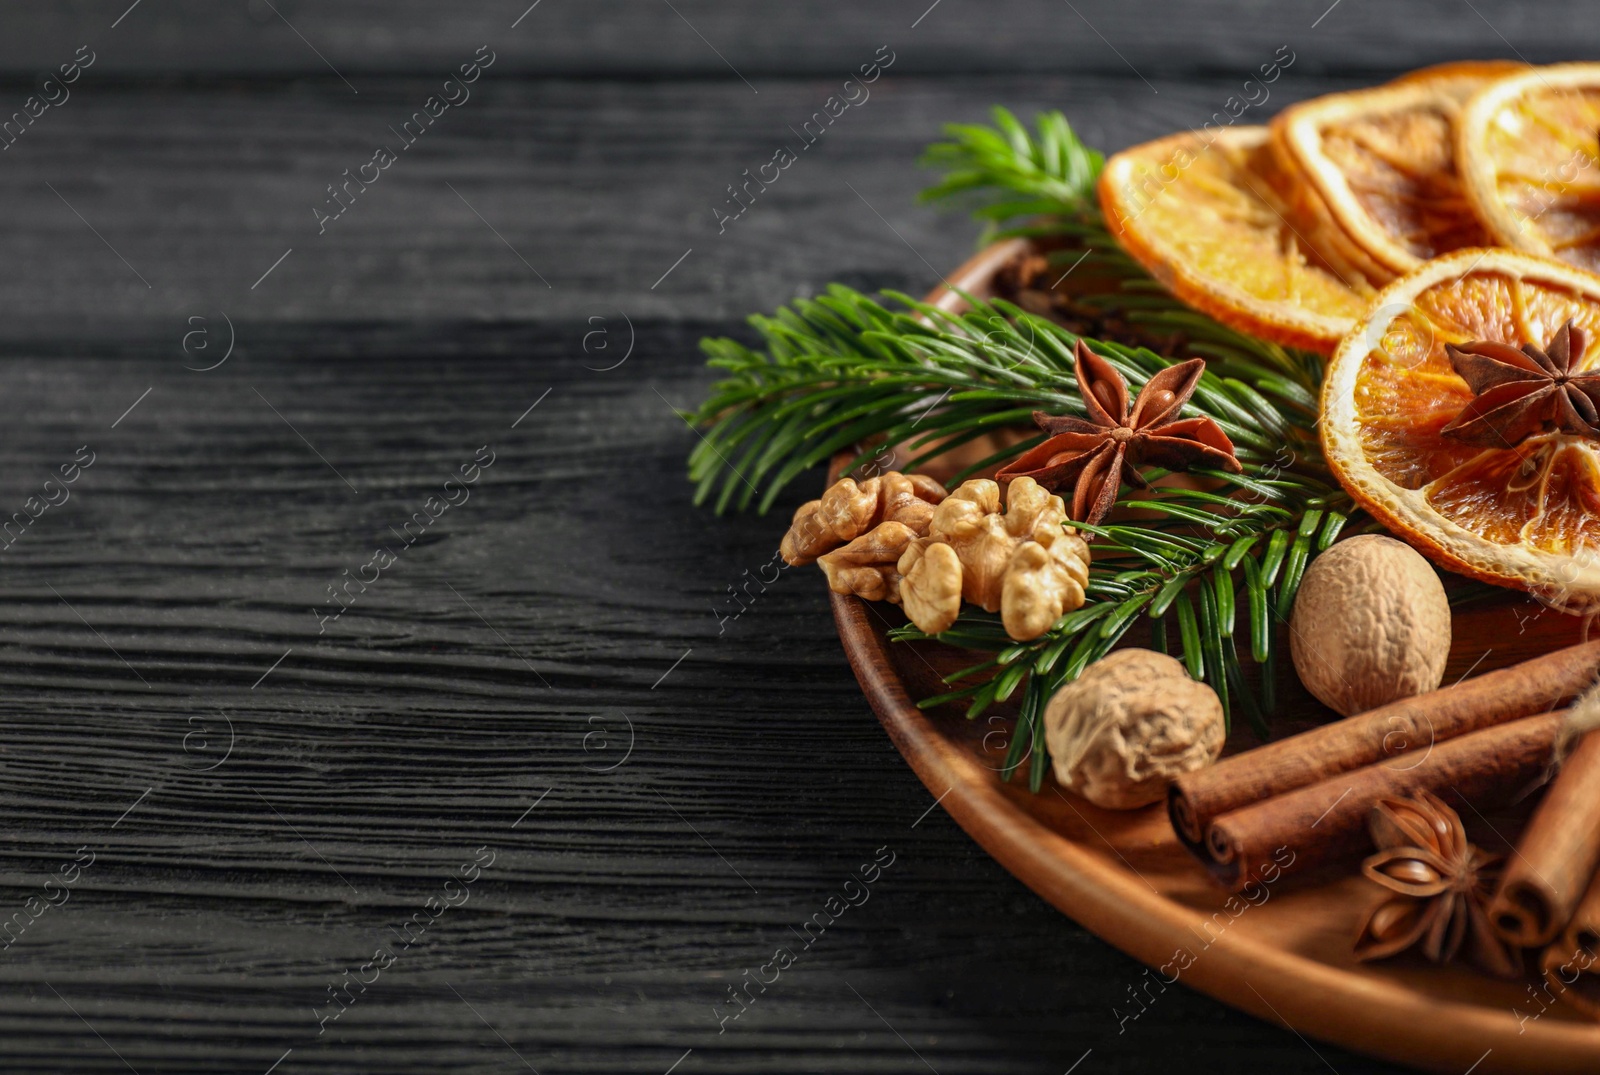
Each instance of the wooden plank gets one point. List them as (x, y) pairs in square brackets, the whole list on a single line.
[(632, 39), (597, 189)]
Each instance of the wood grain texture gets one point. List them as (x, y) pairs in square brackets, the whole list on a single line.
[(633, 39), (375, 758), (202, 189), (372, 761)]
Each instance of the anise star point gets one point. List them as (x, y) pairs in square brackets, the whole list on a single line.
[(1095, 454), (1439, 888), (1519, 392)]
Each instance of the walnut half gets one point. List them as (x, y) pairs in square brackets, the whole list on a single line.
[(866, 566), (898, 538), (847, 510), (1026, 564), (930, 585), (1043, 584)]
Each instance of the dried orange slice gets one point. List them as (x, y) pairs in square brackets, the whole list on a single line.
[(1204, 218), (1525, 515), (1484, 69), (1526, 148), (1315, 221), (1383, 162)]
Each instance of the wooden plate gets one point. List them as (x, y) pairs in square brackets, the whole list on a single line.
[(1284, 958)]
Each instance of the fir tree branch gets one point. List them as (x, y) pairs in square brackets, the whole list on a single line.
[(848, 372), (1007, 174), (845, 370), (1210, 562)]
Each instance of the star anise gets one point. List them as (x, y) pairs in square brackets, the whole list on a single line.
[(1441, 887), (1094, 454), (1527, 391)]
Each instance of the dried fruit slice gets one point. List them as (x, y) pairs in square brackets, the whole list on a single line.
[(1316, 223), (1205, 219), (1383, 163), (1526, 148), (1484, 69), (1525, 515)]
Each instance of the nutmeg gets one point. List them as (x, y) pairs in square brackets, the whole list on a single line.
[(1130, 723), (1371, 625)]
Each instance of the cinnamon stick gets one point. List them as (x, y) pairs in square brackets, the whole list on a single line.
[(1326, 820), (1556, 855), (1197, 799), (1572, 964)]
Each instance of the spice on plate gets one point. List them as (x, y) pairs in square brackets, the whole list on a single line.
[(1379, 735), (1439, 885), (1323, 822), (1130, 723), (1527, 391), (1092, 455), (1371, 625), (1559, 849)]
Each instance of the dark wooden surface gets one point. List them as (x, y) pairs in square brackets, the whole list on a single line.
[(667, 796)]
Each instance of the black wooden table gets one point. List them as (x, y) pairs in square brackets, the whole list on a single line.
[(371, 698)]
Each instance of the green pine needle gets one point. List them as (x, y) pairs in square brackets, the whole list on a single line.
[(1006, 173)]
